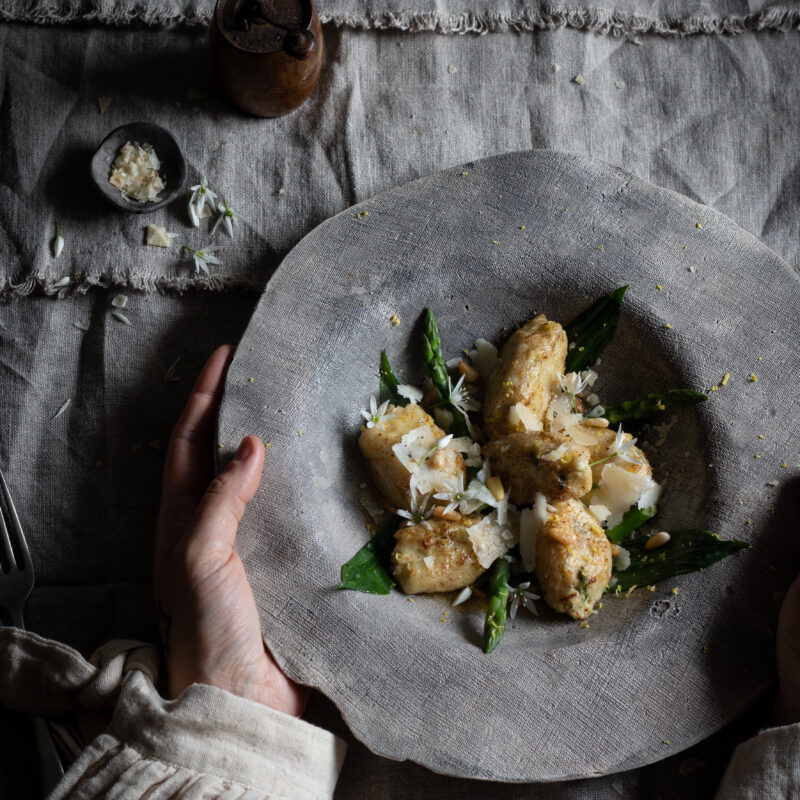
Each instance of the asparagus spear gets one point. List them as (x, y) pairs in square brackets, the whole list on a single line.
[(495, 623), (652, 405), (368, 570), (432, 354), (387, 383), (592, 330), (437, 371), (632, 519), (686, 551)]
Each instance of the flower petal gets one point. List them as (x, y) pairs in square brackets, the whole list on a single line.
[(530, 606), (463, 595)]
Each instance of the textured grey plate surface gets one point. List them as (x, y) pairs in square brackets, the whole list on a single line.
[(486, 245)]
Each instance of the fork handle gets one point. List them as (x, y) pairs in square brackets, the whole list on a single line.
[(49, 761), (51, 769)]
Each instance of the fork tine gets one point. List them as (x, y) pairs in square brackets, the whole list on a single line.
[(23, 562)]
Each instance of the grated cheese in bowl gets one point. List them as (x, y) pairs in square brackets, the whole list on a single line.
[(135, 172)]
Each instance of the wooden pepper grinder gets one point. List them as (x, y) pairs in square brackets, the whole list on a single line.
[(267, 53)]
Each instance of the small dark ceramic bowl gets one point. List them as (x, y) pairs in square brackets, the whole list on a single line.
[(173, 167)]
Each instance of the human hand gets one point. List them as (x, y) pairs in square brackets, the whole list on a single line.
[(207, 616), (787, 705)]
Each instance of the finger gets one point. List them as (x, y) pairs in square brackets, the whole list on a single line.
[(188, 465), (211, 536)]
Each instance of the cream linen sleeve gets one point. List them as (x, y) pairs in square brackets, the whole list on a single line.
[(766, 767), (207, 743)]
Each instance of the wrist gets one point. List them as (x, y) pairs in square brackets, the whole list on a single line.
[(260, 682)]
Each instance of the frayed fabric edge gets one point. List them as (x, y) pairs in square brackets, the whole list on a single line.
[(145, 283), (594, 20), (98, 13)]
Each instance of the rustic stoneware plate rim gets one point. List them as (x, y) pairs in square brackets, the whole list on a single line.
[(444, 757)]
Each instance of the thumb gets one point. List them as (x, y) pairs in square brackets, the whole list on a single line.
[(223, 504)]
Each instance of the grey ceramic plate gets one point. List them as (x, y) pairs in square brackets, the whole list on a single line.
[(487, 245)]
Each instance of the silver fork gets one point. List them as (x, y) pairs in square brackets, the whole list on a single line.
[(16, 583)]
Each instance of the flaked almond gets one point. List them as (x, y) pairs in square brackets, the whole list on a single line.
[(595, 422), (450, 516), (468, 371), (495, 486), (657, 540)]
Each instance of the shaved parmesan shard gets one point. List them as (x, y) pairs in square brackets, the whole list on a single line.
[(429, 561), (135, 172), (414, 446), (622, 558), (600, 512), (490, 539), (413, 452), (158, 236), (119, 301), (477, 495), (463, 444), (555, 455), (103, 103), (530, 523), (561, 417), (519, 415), (485, 358), (470, 449), (409, 392), (620, 488)]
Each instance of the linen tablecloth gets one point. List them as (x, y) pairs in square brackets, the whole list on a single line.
[(699, 98)]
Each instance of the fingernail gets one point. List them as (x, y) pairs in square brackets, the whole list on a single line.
[(245, 450)]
